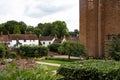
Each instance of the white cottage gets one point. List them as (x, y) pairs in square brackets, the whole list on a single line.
[(46, 40), (22, 39)]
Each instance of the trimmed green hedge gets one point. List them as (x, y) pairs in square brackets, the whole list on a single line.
[(33, 51), (90, 70)]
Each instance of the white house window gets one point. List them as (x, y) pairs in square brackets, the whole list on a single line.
[(49, 42), (24, 40), (43, 42)]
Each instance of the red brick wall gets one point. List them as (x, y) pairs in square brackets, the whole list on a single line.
[(96, 22)]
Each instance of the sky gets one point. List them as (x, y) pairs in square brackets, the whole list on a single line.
[(33, 12)]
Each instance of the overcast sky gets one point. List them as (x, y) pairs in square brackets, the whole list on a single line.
[(33, 12)]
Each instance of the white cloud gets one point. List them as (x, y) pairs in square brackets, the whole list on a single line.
[(33, 12)]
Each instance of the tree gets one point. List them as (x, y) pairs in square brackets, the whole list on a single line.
[(37, 31), (30, 29), (60, 29), (46, 29), (22, 27), (9, 26), (16, 30), (72, 49), (74, 33)]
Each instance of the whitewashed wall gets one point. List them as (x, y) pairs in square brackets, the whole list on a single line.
[(47, 42), (27, 42)]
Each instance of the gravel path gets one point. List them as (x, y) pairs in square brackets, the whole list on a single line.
[(66, 57), (51, 64)]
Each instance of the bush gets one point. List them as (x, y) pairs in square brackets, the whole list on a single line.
[(11, 54), (33, 51), (54, 47), (39, 73), (114, 48), (2, 51), (72, 49), (91, 70)]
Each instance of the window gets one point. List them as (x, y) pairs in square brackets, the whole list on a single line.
[(24, 40), (90, 4), (49, 42), (43, 42)]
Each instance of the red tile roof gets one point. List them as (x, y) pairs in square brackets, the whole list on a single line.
[(45, 38), (72, 39), (23, 37), (58, 40), (4, 38)]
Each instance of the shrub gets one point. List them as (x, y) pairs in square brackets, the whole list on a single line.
[(2, 51), (90, 70), (72, 49), (11, 54), (39, 73), (114, 48), (33, 51), (54, 47)]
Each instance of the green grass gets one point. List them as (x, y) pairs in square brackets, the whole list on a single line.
[(54, 61), (52, 67)]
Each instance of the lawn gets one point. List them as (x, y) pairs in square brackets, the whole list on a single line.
[(56, 61), (48, 67)]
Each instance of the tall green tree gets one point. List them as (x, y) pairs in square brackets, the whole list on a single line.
[(22, 27), (46, 29), (60, 29), (9, 26), (16, 30), (30, 29), (37, 31)]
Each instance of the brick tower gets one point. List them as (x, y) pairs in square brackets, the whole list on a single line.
[(99, 20)]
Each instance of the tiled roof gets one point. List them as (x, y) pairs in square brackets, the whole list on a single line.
[(46, 38), (58, 40), (22, 37), (4, 38), (73, 39)]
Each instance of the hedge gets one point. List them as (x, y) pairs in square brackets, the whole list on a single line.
[(33, 51), (54, 47), (2, 51), (90, 70)]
